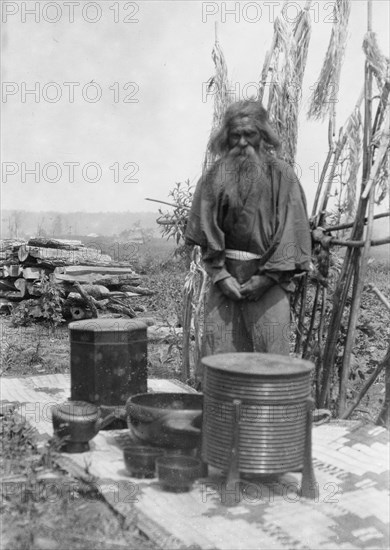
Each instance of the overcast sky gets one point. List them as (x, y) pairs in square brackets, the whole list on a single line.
[(119, 94)]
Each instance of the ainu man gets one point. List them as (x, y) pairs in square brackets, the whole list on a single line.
[(249, 217)]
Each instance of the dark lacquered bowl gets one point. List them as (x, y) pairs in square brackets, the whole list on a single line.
[(177, 472), (140, 460), (169, 420)]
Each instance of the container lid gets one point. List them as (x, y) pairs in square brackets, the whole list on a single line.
[(261, 364), (107, 325), (78, 409)]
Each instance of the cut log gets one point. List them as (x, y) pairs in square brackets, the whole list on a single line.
[(115, 281), (21, 285), (140, 308), (100, 304), (23, 253), (15, 295), (6, 306), (87, 299), (137, 289), (77, 307), (75, 299), (32, 273), (79, 313), (96, 278), (112, 269), (11, 270), (62, 244), (122, 309), (10, 245), (7, 284), (54, 255), (99, 292)]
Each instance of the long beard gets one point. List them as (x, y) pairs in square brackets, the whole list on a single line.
[(240, 173)]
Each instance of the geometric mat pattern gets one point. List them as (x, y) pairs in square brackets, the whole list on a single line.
[(351, 463)]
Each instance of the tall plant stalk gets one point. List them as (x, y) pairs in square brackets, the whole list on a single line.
[(360, 266)]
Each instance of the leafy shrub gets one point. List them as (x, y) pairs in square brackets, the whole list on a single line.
[(174, 224), (51, 302)]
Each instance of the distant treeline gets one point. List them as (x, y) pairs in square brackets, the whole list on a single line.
[(24, 224)]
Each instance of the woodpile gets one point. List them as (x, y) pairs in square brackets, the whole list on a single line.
[(87, 281)]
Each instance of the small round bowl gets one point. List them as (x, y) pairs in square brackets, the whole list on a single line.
[(177, 472), (140, 460)]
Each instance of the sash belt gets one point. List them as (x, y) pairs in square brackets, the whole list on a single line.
[(241, 255)]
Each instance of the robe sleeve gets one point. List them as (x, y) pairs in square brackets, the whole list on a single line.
[(203, 228), (293, 251)]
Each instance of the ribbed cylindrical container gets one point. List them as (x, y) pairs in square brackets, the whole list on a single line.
[(108, 360), (274, 392)]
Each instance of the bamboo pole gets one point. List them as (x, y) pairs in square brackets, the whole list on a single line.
[(355, 309), (385, 363), (320, 331), (338, 304), (321, 182), (168, 203), (199, 333), (379, 294), (360, 267), (312, 322), (360, 244), (350, 260), (384, 416), (350, 224), (187, 313), (188, 297), (301, 319)]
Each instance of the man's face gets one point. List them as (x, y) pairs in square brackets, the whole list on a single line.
[(244, 134)]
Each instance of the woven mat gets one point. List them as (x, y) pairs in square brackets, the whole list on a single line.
[(351, 466)]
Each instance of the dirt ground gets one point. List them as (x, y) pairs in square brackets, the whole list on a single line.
[(34, 518)]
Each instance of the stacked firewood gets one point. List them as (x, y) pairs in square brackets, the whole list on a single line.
[(87, 280)]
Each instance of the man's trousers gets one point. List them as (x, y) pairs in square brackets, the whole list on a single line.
[(245, 326)]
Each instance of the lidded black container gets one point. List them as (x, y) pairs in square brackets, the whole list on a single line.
[(274, 391), (108, 360)]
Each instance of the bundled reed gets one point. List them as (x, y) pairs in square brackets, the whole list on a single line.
[(376, 60), (222, 97), (282, 102), (286, 61), (327, 85)]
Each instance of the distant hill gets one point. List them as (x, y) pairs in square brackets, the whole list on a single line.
[(20, 223)]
